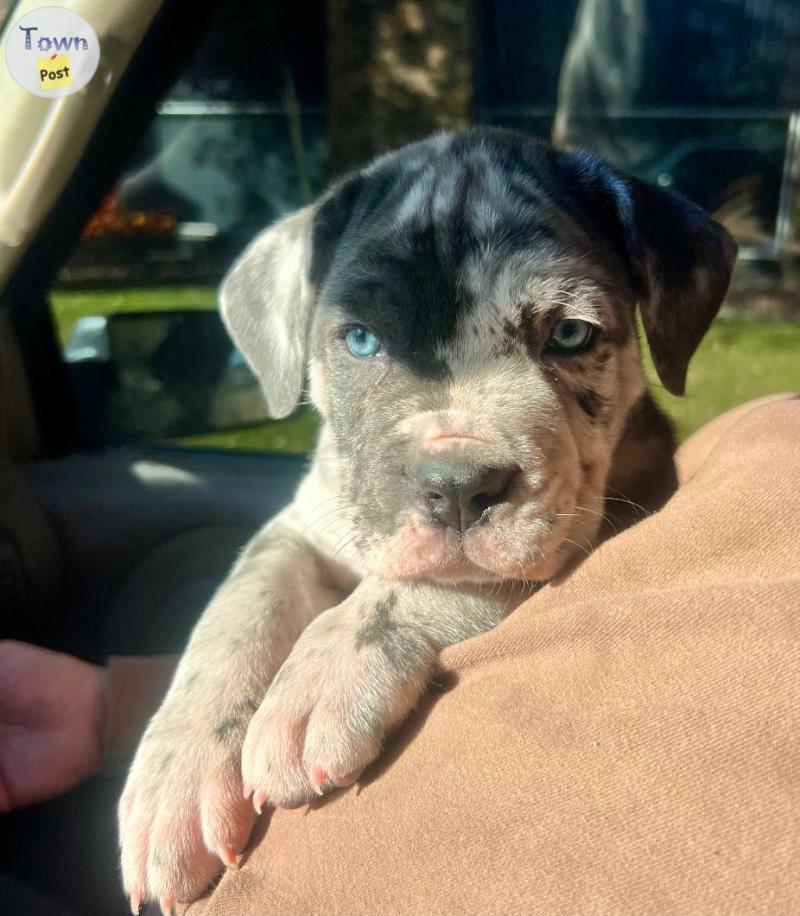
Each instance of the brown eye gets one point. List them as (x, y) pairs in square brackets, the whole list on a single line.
[(570, 336)]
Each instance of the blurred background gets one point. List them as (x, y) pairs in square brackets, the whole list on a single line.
[(698, 95)]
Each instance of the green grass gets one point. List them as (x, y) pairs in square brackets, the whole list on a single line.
[(69, 306), (739, 359), (294, 436)]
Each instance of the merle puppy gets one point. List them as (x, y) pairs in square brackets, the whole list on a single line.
[(464, 312)]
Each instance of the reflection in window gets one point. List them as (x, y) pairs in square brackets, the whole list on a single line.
[(696, 95)]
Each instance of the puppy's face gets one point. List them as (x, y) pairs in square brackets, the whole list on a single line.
[(473, 349), (475, 441)]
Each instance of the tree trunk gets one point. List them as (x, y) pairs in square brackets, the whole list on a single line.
[(397, 70)]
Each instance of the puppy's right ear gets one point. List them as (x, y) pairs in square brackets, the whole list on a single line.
[(265, 300), (267, 297)]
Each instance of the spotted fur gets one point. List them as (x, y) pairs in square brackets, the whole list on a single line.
[(461, 253)]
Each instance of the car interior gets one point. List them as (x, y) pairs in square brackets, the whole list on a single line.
[(109, 545), (103, 552)]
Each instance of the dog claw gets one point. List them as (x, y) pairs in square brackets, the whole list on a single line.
[(166, 904), (136, 903), (247, 790), (228, 856), (317, 779), (259, 798)]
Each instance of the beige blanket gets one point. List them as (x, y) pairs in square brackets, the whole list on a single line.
[(626, 742)]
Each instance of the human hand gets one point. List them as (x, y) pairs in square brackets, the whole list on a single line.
[(51, 722)]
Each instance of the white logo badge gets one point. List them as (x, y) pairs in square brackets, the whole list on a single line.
[(52, 52)]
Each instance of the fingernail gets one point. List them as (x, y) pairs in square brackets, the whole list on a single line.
[(136, 903), (259, 797), (166, 904)]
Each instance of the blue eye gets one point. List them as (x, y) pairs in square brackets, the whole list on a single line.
[(570, 336), (362, 343)]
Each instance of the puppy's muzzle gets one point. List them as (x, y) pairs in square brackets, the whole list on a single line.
[(459, 495)]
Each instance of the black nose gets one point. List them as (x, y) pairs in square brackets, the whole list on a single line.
[(457, 495)]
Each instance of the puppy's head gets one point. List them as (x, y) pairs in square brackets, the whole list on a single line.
[(464, 308)]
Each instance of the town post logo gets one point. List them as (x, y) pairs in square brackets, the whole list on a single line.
[(52, 52)]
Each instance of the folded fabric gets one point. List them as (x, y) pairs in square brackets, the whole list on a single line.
[(625, 742)]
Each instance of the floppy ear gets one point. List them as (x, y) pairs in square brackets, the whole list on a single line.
[(265, 300), (267, 297), (679, 261)]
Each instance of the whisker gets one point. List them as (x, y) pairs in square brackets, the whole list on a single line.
[(349, 541), (579, 546), (629, 502), (606, 518)]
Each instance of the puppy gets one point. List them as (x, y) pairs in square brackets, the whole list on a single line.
[(464, 310)]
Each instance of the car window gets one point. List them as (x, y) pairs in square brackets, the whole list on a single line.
[(245, 137), (239, 141)]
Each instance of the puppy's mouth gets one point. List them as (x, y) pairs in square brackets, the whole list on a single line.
[(508, 543), (488, 515)]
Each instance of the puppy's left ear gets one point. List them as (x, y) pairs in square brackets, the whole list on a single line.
[(678, 258)]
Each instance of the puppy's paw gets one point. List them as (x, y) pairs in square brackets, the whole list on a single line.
[(330, 706), (182, 816)]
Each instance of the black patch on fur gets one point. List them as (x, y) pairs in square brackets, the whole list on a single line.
[(379, 623), (528, 331), (249, 704), (226, 728), (401, 279), (241, 713), (408, 298), (524, 332), (511, 333), (590, 402), (401, 645)]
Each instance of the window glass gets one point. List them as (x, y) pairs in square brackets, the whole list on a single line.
[(696, 95), (239, 141)]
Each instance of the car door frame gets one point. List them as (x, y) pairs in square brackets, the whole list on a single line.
[(162, 54)]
